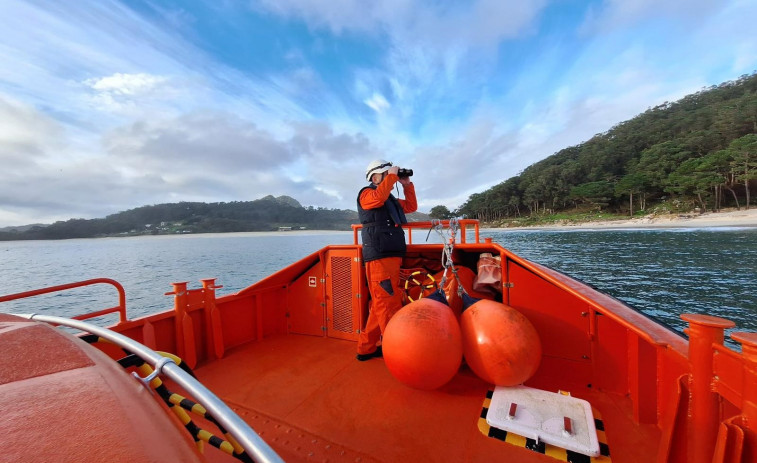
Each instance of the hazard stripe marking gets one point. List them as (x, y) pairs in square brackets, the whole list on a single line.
[(542, 447)]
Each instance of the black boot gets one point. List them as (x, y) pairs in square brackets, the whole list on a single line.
[(364, 357)]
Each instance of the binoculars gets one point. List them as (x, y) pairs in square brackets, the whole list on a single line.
[(405, 172)]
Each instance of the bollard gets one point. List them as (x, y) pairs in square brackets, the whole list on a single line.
[(704, 411), (214, 331)]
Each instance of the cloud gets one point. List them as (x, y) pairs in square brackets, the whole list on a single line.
[(611, 15), (377, 102), (132, 94), (433, 24), (26, 134), (433, 50), (127, 84), (220, 156), (207, 140), (318, 139), (106, 105)]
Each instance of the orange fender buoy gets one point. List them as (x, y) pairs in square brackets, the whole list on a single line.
[(499, 343), (422, 345)]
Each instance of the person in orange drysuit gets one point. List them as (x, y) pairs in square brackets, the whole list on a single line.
[(382, 216)]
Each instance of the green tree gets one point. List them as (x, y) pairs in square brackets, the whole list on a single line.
[(597, 194), (440, 212), (658, 161), (691, 179), (745, 160), (631, 184), (720, 164)]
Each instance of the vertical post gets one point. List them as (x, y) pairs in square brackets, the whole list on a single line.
[(180, 311), (213, 328), (704, 412), (749, 355)]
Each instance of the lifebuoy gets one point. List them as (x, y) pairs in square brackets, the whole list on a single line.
[(422, 284)]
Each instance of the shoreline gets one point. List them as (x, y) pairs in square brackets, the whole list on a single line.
[(730, 218)]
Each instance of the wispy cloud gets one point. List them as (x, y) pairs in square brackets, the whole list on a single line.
[(107, 105)]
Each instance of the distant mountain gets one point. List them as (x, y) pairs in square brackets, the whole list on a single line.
[(287, 200), (21, 228), (265, 214)]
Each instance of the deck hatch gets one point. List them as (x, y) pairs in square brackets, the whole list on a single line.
[(341, 291), (550, 450)]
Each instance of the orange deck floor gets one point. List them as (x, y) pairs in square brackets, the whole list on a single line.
[(312, 401)]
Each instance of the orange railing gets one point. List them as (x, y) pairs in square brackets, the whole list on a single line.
[(718, 376), (120, 308), (463, 224)]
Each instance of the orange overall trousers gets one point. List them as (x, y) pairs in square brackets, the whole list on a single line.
[(386, 299)]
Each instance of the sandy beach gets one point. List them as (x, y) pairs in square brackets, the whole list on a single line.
[(730, 218)]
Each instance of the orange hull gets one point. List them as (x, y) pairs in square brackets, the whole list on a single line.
[(281, 353)]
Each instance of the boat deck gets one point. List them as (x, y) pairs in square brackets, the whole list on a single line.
[(312, 401)]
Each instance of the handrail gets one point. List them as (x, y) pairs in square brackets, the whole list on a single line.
[(256, 447), (120, 308), (428, 225)]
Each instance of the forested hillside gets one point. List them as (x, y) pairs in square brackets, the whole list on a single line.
[(264, 214), (700, 151)]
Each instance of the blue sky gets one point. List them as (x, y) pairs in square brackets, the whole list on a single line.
[(109, 105)]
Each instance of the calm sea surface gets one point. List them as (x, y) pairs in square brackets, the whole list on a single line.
[(661, 272)]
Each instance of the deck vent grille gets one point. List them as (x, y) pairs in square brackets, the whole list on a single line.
[(341, 290)]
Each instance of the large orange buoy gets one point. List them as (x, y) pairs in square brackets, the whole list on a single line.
[(422, 344), (500, 345)]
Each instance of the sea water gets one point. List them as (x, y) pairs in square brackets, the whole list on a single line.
[(661, 272)]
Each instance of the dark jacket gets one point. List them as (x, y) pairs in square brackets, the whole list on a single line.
[(382, 233)]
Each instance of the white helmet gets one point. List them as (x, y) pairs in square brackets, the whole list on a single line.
[(377, 166)]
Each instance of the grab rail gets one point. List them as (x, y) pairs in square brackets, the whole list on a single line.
[(120, 308), (245, 435), (410, 226)]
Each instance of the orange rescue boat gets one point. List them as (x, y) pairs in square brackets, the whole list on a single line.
[(269, 374)]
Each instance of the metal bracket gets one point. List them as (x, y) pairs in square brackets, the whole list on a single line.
[(508, 285), (158, 369)]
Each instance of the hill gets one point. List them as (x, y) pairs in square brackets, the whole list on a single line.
[(265, 214), (698, 152)]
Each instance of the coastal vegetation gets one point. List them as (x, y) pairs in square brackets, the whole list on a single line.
[(698, 153), (265, 214)]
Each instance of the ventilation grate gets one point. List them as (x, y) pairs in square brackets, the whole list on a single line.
[(341, 292)]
